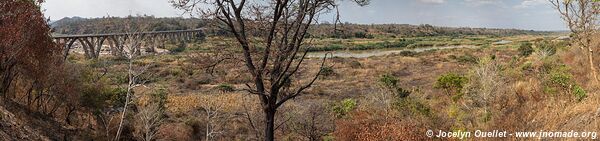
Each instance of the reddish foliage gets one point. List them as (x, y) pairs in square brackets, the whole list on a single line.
[(30, 61), (26, 48), (364, 127)]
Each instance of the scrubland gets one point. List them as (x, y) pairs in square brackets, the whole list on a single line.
[(534, 83)]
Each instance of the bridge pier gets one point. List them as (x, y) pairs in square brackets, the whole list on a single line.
[(92, 44)]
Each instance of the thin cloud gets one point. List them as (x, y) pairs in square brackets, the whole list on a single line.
[(432, 1), (482, 2), (530, 3)]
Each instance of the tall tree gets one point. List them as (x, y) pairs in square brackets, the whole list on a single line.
[(280, 28), (131, 45), (581, 17), (26, 48)]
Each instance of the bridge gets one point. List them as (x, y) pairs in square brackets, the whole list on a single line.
[(92, 44)]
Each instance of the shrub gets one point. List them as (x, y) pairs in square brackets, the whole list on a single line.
[(180, 47), (412, 107), (328, 138), (327, 71), (118, 96), (355, 64), (527, 66), (408, 53), (558, 75), (525, 49), (119, 78), (467, 58), (360, 35), (160, 97), (95, 97), (579, 92), (452, 83), (388, 80), (547, 47), (225, 88), (177, 72), (560, 79), (391, 83), (342, 108), (98, 97)]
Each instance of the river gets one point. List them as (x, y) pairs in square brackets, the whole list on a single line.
[(379, 52)]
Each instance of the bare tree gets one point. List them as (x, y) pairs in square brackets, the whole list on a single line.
[(131, 45), (214, 113), (582, 19), (310, 119), (149, 118), (280, 26)]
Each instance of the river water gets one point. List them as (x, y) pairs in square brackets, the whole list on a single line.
[(378, 52)]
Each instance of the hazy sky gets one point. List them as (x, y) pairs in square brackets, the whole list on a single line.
[(521, 14)]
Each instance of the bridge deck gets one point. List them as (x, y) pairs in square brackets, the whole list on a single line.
[(121, 34)]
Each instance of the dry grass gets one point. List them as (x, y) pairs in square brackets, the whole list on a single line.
[(228, 102), (519, 103)]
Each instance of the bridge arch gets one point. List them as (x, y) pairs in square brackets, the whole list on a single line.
[(92, 44)]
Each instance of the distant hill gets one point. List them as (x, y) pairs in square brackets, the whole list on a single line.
[(66, 20), (78, 25), (349, 30)]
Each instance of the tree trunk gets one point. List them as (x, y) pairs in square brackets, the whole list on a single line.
[(270, 124), (592, 67)]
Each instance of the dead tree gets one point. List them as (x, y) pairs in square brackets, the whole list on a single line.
[(281, 27), (581, 17), (132, 45), (149, 118)]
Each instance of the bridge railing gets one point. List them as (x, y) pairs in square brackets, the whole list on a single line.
[(123, 34)]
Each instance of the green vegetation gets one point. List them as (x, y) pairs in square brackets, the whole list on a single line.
[(451, 83), (466, 58), (391, 83), (579, 92), (331, 44), (180, 47), (343, 108), (525, 49), (564, 82), (411, 106), (78, 25), (327, 71), (160, 97), (549, 47), (560, 78), (225, 87), (408, 53), (99, 97), (404, 30)]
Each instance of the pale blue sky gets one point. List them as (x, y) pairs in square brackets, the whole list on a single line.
[(520, 14)]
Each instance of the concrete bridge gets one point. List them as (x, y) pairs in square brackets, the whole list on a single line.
[(92, 44)]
